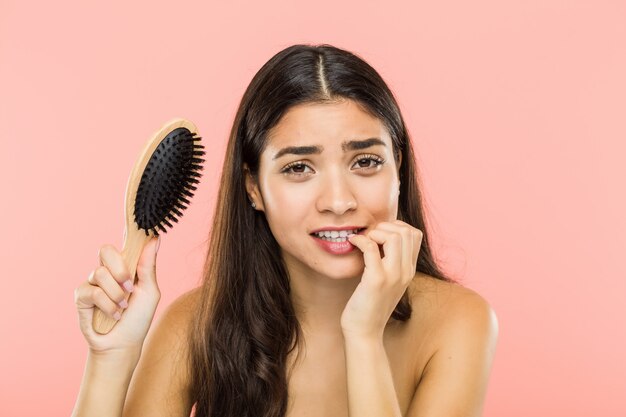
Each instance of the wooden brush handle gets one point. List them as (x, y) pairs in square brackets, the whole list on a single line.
[(134, 243)]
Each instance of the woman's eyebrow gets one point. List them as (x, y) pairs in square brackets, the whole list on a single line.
[(351, 145)]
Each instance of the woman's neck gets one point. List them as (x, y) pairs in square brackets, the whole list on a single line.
[(319, 300)]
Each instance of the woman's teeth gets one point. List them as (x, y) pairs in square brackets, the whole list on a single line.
[(336, 235)]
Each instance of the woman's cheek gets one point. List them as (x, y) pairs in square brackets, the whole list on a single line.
[(380, 198), (286, 211)]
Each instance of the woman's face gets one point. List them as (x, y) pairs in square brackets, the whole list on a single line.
[(325, 166)]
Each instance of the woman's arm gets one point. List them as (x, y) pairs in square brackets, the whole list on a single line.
[(113, 356), (105, 383), (150, 382), (370, 385), (455, 380)]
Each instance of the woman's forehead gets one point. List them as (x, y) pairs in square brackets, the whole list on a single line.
[(329, 125)]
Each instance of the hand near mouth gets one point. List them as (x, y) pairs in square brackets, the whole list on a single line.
[(384, 279)]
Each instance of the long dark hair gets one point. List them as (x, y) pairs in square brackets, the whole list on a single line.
[(245, 325)]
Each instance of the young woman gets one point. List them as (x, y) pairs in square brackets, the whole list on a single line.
[(320, 295)]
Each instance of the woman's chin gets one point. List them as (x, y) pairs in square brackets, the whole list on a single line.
[(346, 273)]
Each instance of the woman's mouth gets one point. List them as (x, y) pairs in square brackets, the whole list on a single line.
[(336, 242), (336, 235)]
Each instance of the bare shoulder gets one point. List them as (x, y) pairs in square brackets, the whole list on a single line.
[(446, 304), (446, 316), (182, 308), (462, 331), (160, 383), (174, 324)]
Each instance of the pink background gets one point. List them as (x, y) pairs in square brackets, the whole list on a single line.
[(517, 111)]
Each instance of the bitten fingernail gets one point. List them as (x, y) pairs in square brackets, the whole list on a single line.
[(123, 304), (117, 315)]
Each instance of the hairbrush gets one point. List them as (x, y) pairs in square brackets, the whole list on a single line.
[(156, 192)]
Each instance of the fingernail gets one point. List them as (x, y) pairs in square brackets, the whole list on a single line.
[(117, 315), (128, 285), (158, 243), (123, 304)]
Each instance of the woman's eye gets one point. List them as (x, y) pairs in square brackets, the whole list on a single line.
[(298, 169), (365, 162), (295, 168)]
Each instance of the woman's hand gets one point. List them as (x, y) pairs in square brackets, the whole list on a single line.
[(384, 279), (105, 289)]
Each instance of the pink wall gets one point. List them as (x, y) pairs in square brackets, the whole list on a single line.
[(517, 113)]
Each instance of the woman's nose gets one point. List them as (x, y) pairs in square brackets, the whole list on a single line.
[(336, 195)]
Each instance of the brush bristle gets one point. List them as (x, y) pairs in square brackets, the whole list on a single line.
[(172, 169)]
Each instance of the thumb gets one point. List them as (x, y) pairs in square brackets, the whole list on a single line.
[(146, 267)]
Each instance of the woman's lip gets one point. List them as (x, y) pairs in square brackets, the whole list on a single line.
[(334, 248)]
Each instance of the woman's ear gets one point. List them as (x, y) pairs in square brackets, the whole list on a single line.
[(252, 188)]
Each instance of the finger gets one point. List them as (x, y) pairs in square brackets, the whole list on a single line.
[(101, 277), (88, 296), (392, 246), (146, 266), (417, 236), (112, 259), (410, 246), (83, 298), (85, 313), (371, 255)]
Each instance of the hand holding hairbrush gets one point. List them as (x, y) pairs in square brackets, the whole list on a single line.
[(161, 178)]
